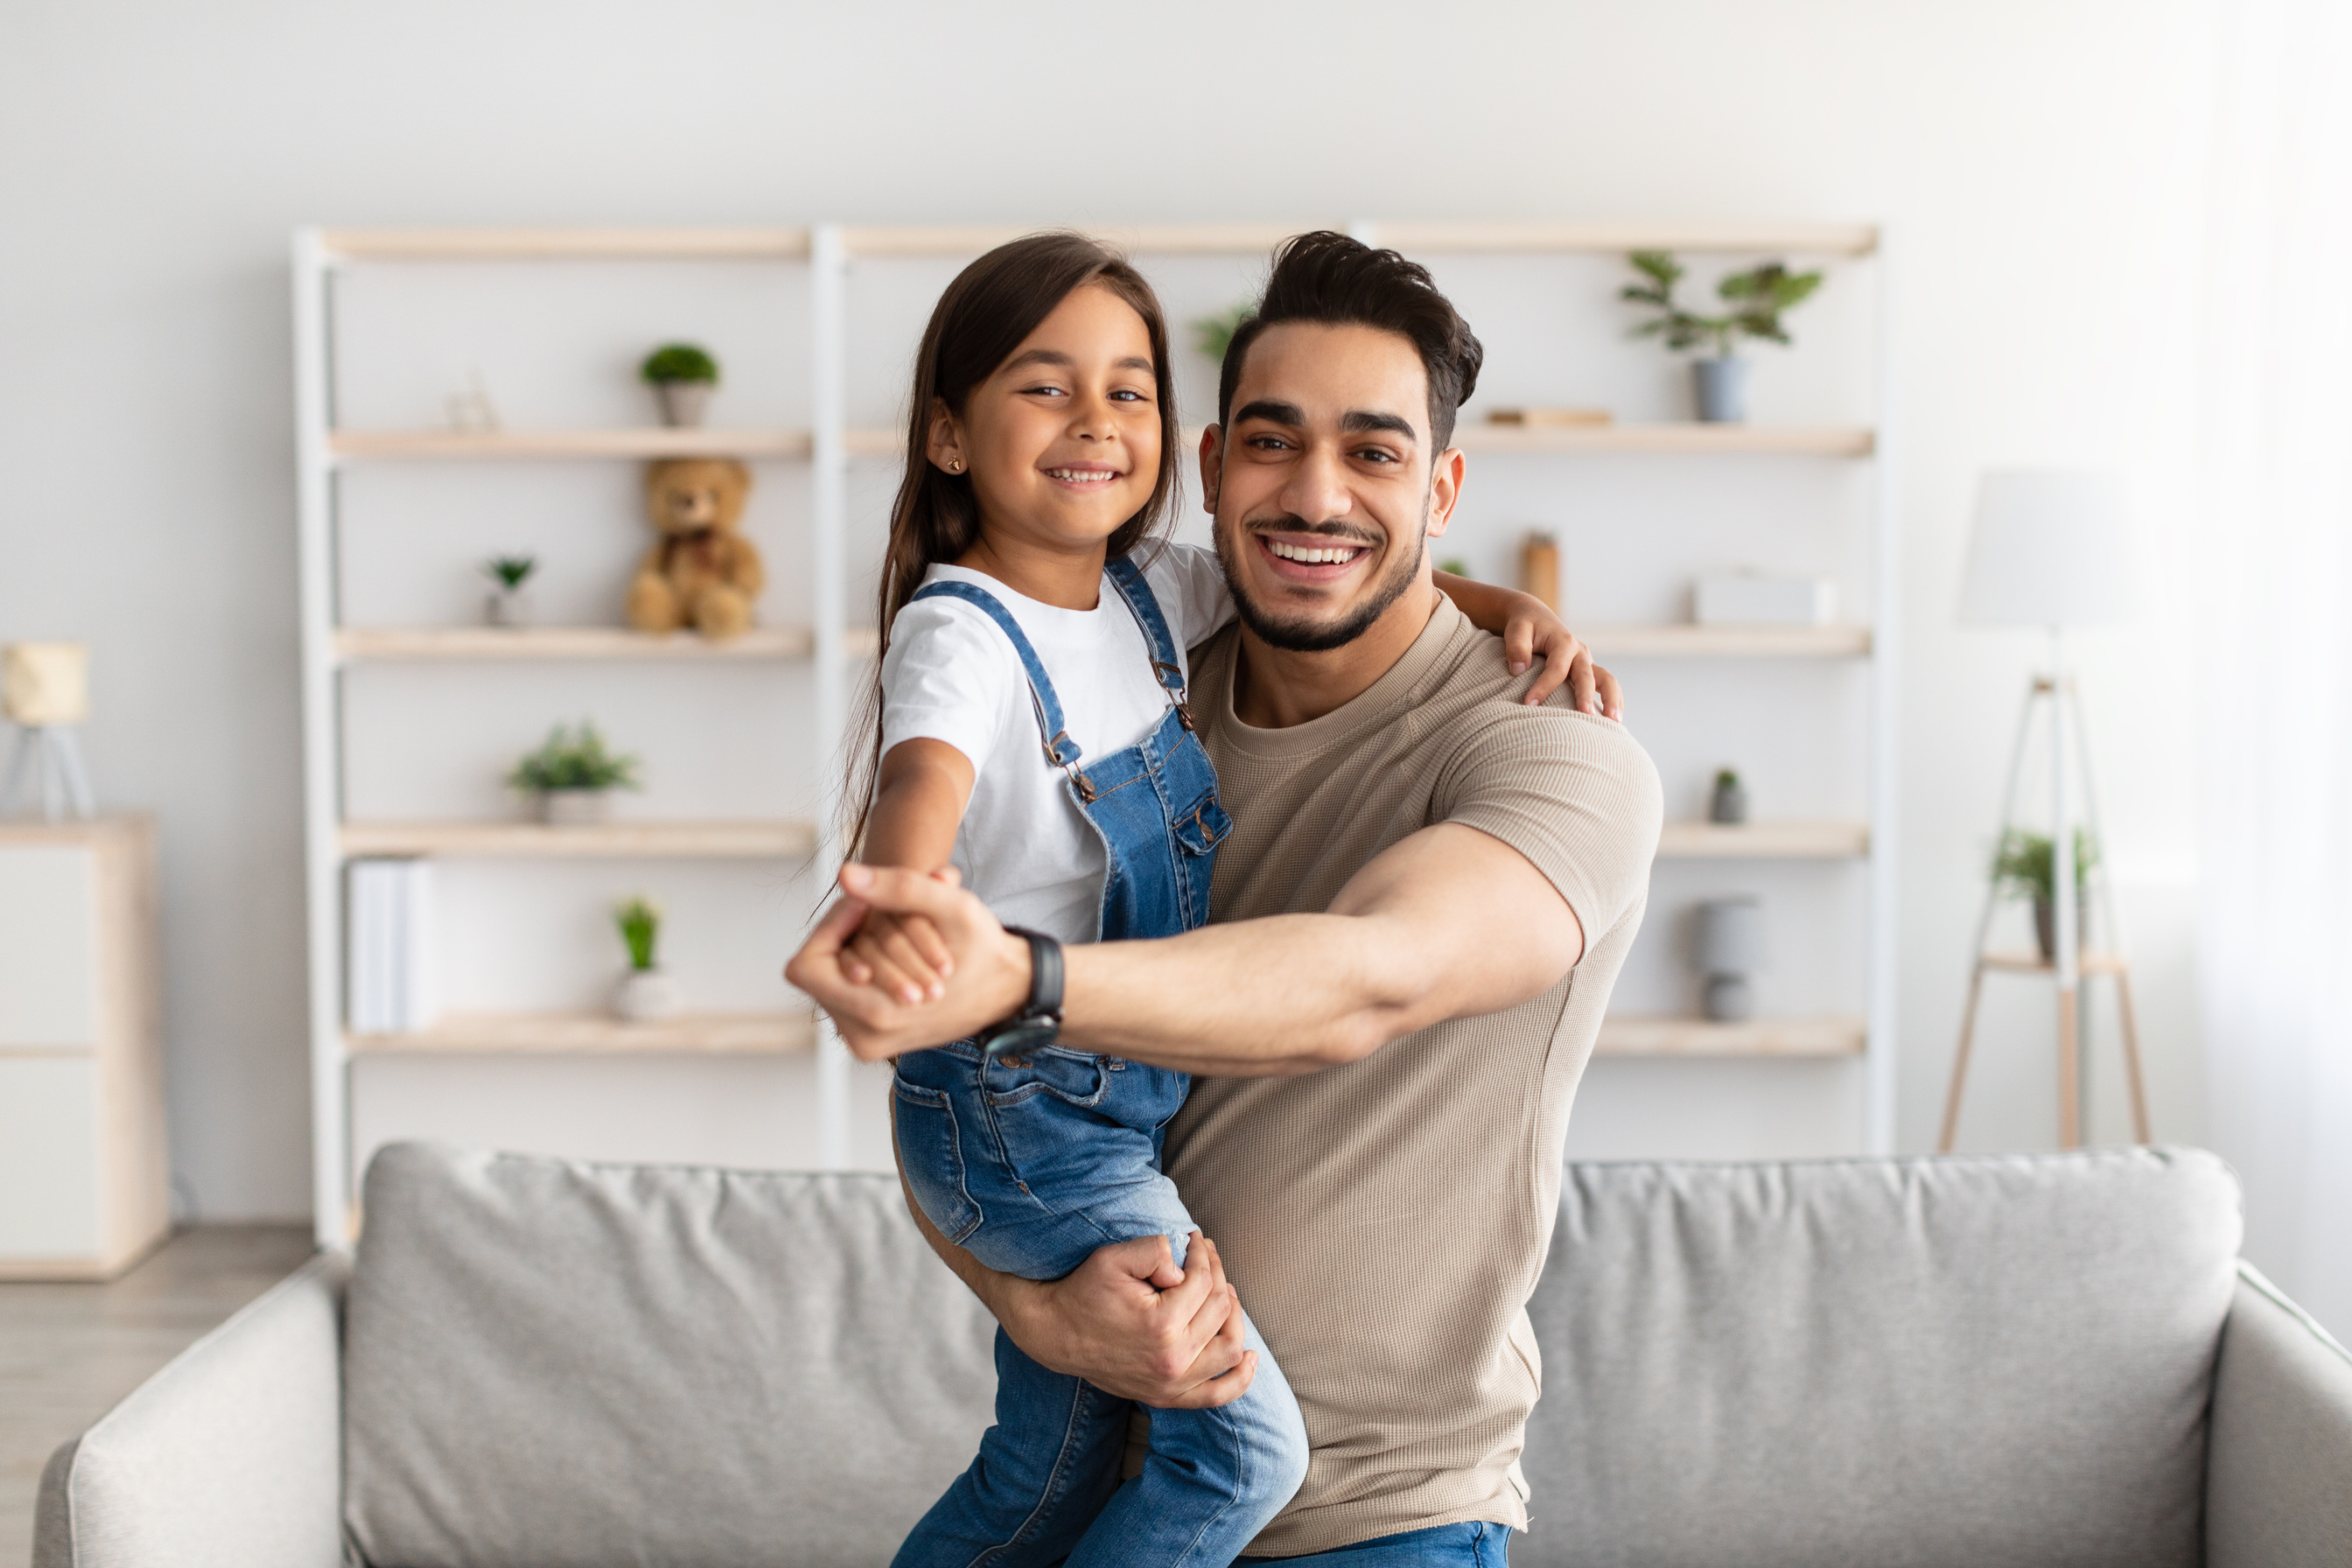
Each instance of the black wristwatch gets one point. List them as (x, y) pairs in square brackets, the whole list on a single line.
[(1038, 1023)]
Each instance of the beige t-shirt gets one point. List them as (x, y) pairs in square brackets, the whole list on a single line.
[(1385, 1222)]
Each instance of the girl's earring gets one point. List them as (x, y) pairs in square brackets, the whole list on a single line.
[(955, 465)]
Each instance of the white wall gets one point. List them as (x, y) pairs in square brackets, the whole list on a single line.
[(154, 156)]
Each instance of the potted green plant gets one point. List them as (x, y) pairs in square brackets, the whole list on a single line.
[(1727, 802), (1755, 300), (645, 992), (570, 777), (681, 375), (1215, 334), (509, 604), (2023, 868)]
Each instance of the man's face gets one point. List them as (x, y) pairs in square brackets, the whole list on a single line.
[(1322, 482)]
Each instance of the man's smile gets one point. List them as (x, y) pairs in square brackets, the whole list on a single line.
[(1310, 558)]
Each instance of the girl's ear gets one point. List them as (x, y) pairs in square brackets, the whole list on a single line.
[(945, 447)]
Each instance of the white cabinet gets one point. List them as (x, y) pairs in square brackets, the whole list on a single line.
[(84, 1181)]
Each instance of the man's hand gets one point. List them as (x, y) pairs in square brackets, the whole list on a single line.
[(1129, 1323), (987, 970)]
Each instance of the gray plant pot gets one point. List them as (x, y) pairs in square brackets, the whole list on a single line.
[(574, 807), (683, 403), (1728, 999), (1727, 803), (1722, 388), (645, 995), (507, 608)]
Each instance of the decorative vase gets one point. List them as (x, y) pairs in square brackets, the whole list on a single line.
[(683, 403), (2045, 929), (574, 807), (1722, 386), (507, 608), (1728, 999), (1728, 802), (645, 995)]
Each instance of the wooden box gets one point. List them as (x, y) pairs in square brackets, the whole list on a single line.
[(85, 1184)]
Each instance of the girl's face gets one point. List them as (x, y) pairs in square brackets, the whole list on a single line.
[(1063, 441)]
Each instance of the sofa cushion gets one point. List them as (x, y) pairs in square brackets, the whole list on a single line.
[(557, 1364), (1916, 1363)]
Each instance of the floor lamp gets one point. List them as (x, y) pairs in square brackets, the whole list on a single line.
[(2052, 548)]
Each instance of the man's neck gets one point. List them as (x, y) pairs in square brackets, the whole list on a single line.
[(1276, 688)]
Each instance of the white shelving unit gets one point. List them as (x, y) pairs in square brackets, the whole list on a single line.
[(830, 644)]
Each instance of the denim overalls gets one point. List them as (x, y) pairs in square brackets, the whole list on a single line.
[(1032, 1164)]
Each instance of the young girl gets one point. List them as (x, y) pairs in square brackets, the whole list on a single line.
[(1030, 731)]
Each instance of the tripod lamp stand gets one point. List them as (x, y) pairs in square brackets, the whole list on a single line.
[(45, 690), (2052, 548)]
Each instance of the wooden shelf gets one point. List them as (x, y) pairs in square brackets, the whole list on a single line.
[(772, 244), (594, 1034), (1765, 840), (651, 441), (365, 644), (565, 243), (1686, 641), (1670, 1035), (610, 840), (2031, 963), (1780, 440)]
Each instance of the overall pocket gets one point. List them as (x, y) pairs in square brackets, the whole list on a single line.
[(932, 1157)]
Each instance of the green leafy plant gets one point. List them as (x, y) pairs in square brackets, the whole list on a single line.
[(2022, 865), (1757, 298), (640, 921), (1213, 335), (573, 760), (679, 362), (1455, 564), (511, 571), (1727, 778)]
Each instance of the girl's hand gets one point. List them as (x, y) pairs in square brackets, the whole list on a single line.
[(901, 956), (1534, 632)]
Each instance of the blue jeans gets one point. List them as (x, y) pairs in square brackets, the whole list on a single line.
[(1031, 1164), (1444, 1546)]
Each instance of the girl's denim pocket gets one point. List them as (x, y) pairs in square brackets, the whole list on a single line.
[(1074, 1077), (932, 1157)]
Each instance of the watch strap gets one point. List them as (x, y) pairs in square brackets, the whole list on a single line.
[(1041, 1015)]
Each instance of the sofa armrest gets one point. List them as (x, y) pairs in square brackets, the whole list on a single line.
[(2278, 1470), (232, 1454)]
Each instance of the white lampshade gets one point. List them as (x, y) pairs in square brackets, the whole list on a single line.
[(45, 683), (2052, 547)]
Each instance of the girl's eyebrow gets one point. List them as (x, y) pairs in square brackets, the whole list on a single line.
[(1057, 358)]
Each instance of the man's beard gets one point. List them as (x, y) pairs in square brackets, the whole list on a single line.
[(1311, 636)]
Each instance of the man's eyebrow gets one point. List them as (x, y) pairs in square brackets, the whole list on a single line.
[(1360, 422), (1271, 410)]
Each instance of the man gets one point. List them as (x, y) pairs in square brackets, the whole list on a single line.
[(1427, 895)]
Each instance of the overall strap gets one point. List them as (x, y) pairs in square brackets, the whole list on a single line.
[(1060, 750), (1129, 579)]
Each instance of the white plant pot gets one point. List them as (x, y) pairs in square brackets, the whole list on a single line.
[(683, 403), (574, 807), (507, 608), (645, 995)]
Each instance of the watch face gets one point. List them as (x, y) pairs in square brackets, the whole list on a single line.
[(1021, 1038)]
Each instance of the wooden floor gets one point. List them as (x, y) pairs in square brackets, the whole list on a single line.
[(68, 1353)]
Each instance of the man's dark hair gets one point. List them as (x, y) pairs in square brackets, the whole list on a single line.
[(1328, 278)]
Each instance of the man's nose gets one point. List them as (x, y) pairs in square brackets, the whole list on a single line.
[(1317, 490)]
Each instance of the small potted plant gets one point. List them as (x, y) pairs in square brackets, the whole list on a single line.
[(1215, 334), (1755, 299), (508, 604), (681, 375), (2022, 866), (570, 777), (1727, 802), (645, 992)]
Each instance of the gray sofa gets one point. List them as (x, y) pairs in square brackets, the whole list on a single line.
[(541, 1364)]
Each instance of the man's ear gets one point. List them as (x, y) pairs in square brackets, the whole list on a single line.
[(944, 446), (1212, 466), (1444, 489)]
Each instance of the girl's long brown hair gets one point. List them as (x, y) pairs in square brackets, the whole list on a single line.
[(991, 307)]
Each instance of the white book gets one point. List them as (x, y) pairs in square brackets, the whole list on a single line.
[(391, 978)]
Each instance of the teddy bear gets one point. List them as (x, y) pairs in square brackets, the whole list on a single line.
[(703, 573)]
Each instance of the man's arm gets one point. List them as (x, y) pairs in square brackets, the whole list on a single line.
[(1126, 1320), (1450, 922)]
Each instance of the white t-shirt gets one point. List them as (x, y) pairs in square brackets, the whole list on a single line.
[(952, 675)]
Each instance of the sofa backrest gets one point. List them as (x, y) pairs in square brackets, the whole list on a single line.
[(1978, 1362), (555, 1364)]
